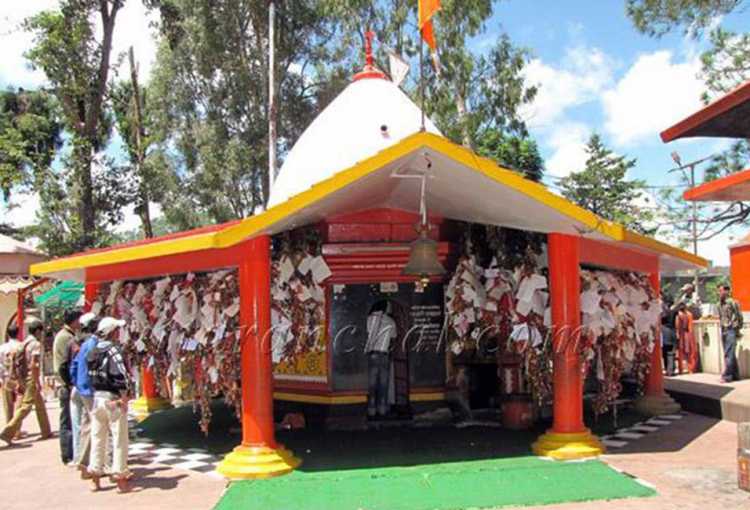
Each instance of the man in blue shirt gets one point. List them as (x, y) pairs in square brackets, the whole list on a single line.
[(82, 397)]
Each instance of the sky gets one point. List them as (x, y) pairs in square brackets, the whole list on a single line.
[(595, 73)]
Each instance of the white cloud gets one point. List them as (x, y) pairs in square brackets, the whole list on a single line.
[(15, 41), (568, 142), (21, 210), (581, 76), (131, 221), (131, 28), (654, 93), (717, 249)]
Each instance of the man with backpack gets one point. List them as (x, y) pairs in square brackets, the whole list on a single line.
[(63, 339), (109, 417), (25, 380)]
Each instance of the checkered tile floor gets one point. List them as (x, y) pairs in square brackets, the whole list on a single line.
[(625, 436), (144, 450), (192, 459)]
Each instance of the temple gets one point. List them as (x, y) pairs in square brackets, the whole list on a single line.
[(335, 240)]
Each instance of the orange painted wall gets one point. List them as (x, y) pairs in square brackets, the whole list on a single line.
[(740, 272)]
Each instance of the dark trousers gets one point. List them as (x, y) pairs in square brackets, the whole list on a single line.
[(378, 375), (667, 354), (66, 432), (731, 369)]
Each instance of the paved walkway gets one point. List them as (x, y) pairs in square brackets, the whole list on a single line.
[(692, 463), (32, 477)]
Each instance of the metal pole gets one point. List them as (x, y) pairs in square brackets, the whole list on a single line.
[(271, 95), (421, 80), (695, 228)]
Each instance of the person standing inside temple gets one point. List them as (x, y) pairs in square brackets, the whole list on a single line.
[(668, 336), (26, 372), (731, 326), (60, 349), (381, 329)]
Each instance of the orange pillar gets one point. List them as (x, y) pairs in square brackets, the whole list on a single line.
[(90, 291), (655, 400), (149, 400), (20, 316), (569, 438), (259, 456)]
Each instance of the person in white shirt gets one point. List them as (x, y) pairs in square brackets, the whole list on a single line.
[(381, 329)]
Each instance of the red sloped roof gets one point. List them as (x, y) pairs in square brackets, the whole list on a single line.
[(154, 240), (732, 188), (727, 117)]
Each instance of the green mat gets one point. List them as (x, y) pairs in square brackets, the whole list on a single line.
[(447, 486)]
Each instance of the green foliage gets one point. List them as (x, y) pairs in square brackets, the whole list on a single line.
[(514, 152), (602, 187), (203, 150), (30, 135), (85, 197), (726, 64), (657, 17)]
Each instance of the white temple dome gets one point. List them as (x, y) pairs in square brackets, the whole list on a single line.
[(370, 114)]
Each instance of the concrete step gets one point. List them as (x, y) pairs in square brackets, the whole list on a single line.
[(705, 394)]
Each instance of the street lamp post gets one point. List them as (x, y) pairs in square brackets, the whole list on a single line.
[(678, 161)]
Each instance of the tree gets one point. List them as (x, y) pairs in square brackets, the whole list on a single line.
[(724, 66), (131, 105), (30, 135), (77, 62), (657, 17), (514, 152), (473, 92), (602, 187), (210, 105), (726, 63)]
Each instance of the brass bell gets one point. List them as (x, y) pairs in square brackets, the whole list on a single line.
[(423, 257)]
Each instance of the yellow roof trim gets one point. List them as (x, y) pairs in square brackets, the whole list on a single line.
[(126, 254), (628, 236), (258, 223), (253, 225)]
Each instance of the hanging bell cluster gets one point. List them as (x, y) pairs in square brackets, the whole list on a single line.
[(423, 257)]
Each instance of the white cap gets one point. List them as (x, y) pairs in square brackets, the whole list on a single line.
[(86, 318), (109, 324), (31, 321)]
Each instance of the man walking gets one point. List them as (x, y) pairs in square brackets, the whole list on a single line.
[(28, 365), (731, 324), (6, 358), (60, 347), (109, 418)]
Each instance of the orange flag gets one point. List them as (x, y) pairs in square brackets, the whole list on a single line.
[(427, 9)]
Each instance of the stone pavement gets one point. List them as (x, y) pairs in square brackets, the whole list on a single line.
[(691, 462), (32, 477)]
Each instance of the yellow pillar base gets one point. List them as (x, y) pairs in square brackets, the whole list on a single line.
[(655, 405), (560, 446), (248, 462), (143, 406)]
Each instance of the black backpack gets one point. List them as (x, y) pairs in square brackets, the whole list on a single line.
[(97, 364)]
